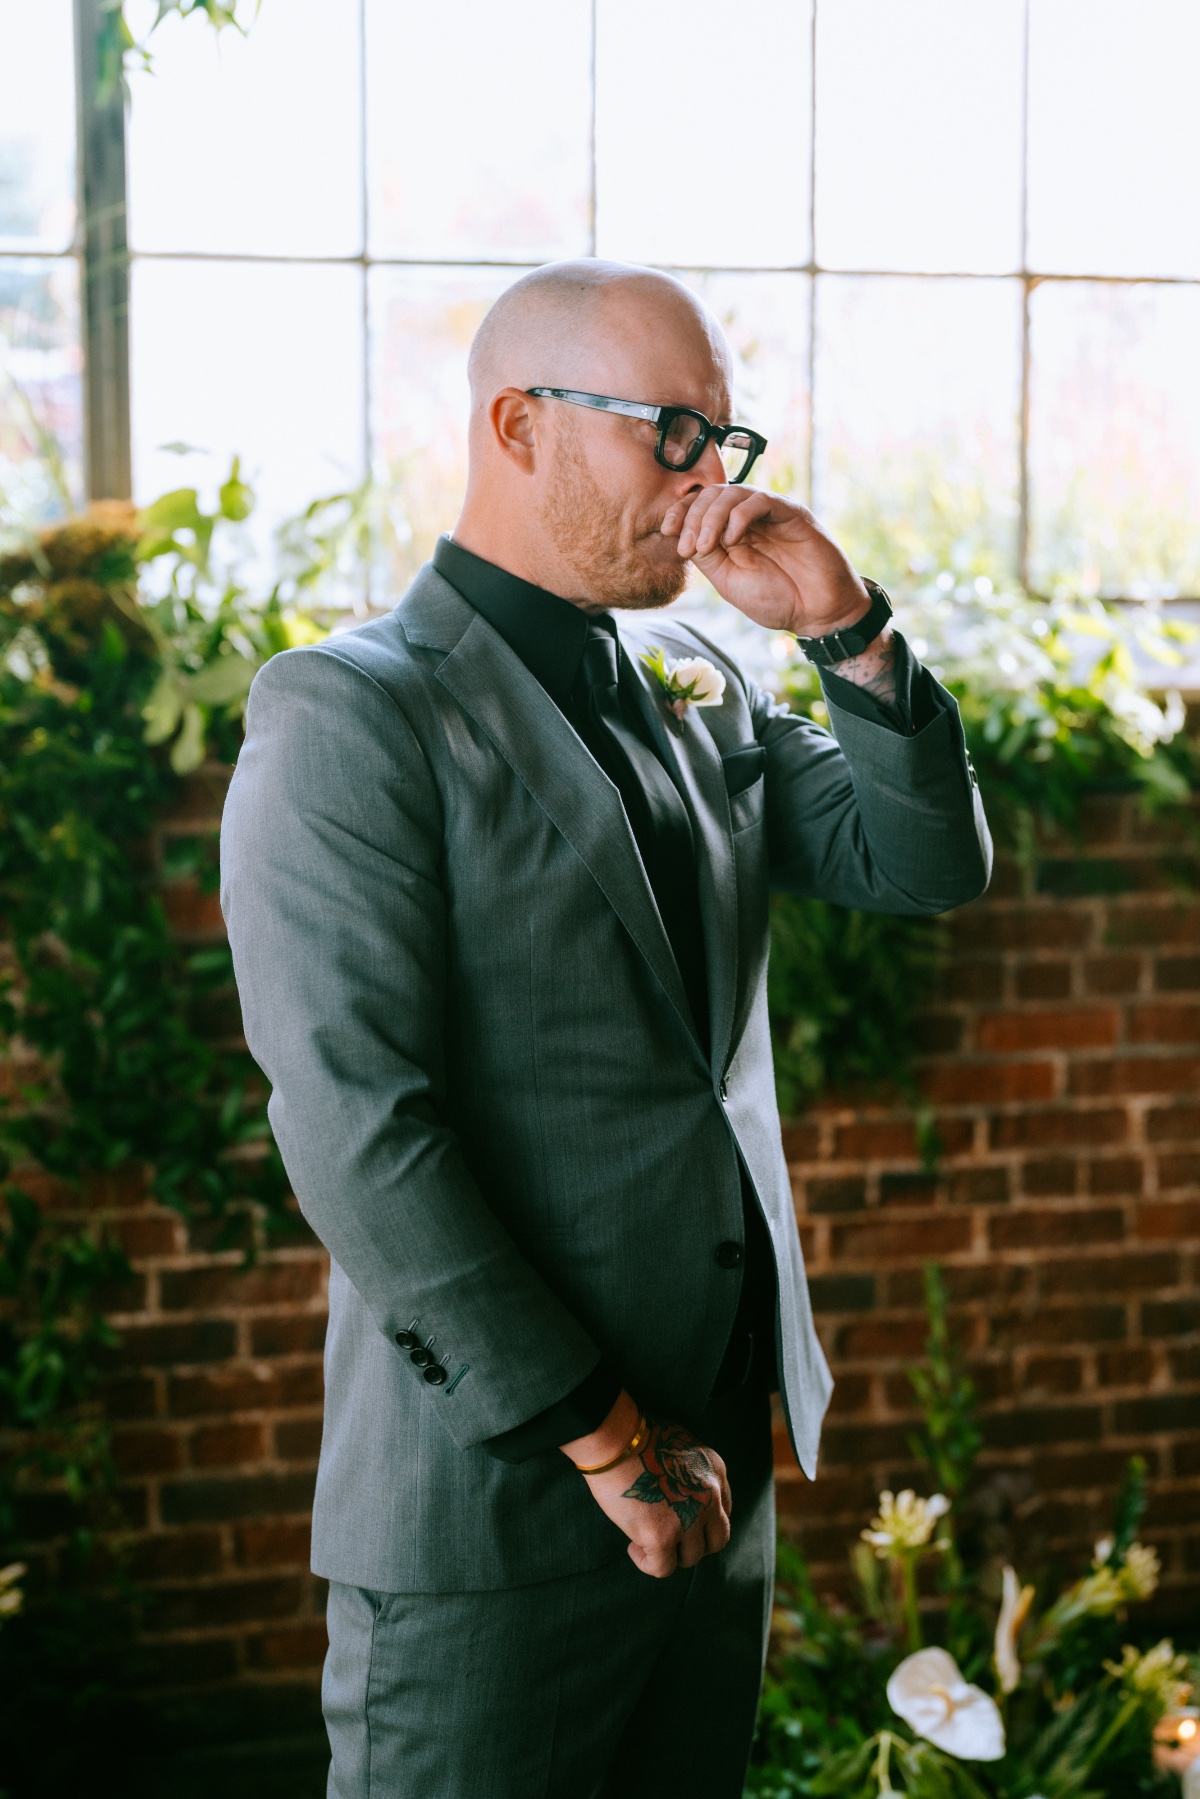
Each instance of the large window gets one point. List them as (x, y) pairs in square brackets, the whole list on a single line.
[(955, 243), (41, 441)]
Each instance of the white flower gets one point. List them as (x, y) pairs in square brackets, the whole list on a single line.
[(1105, 1590), (928, 1691), (1139, 1573), (691, 681), (1014, 1607), (696, 679), (904, 1522), (1157, 1675), (11, 1596)]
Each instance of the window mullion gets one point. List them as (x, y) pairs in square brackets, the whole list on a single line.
[(100, 113)]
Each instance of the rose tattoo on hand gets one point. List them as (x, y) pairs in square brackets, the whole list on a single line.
[(675, 1471)]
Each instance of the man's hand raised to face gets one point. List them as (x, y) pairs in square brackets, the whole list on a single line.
[(670, 1495), (768, 557)]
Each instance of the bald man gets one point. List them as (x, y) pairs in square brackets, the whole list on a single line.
[(496, 871)]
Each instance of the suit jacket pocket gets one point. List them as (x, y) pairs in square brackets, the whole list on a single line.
[(743, 770)]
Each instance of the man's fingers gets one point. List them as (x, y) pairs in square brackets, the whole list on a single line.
[(694, 1544), (716, 1529), (742, 516), (657, 1563), (705, 520), (673, 517), (718, 1468)]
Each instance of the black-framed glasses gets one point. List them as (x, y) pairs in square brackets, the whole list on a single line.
[(683, 432)]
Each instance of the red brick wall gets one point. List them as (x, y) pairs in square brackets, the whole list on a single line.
[(1063, 1066), (1062, 1060)]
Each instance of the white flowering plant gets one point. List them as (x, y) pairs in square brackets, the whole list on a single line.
[(972, 1683), (1056, 696)]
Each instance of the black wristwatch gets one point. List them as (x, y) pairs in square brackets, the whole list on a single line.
[(839, 646)]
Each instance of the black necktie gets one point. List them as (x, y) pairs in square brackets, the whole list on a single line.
[(655, 809)]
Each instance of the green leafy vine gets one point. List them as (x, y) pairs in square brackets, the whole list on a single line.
[(126, 652)]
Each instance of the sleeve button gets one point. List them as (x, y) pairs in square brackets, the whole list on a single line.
[(729, 1255), (420, 1358), (435, 1375), (406, 1339)]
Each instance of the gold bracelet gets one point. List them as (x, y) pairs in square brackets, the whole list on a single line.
[(635, 1442)]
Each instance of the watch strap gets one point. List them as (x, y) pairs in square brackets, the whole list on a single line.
[(840, 646)]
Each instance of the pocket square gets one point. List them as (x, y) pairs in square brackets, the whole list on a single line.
[(742, 767)]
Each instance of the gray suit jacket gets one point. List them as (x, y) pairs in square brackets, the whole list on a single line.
[(487, 1086)]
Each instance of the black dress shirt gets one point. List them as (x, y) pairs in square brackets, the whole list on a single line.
[(549, 635)]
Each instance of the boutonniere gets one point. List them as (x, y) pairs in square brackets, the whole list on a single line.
[(693, 681)]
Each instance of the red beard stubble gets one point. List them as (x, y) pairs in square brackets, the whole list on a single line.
[(589, 533)]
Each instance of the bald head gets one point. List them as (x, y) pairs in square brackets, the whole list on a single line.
[(572, 498), (587, 325)]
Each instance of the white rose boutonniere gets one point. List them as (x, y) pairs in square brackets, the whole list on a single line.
[(692, 681)]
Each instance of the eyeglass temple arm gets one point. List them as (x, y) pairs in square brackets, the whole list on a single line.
[(598, 403)]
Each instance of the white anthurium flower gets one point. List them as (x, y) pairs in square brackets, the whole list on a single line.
[(928, 1691), (1014, 1608), (904, 1522)]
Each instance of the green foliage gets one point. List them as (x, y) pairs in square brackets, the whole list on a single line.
[(1053, 708), (1128, 1511), (127, 646), (950, 1439), (843, 990), (1078, 1724), (119, 47)]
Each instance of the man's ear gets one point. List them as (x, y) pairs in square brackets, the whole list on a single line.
[(513, 427)]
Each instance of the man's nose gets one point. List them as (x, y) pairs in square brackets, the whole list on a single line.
[(710, 468)]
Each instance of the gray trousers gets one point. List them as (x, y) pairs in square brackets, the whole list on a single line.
[(603, 1685)]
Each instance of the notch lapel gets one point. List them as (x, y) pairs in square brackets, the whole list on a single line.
[(492, 684), (688, 748)]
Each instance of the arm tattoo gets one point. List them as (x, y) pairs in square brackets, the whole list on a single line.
[(675, 1472), (874, 669)]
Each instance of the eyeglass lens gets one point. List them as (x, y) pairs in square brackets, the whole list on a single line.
[(737, 453), (681, 440)]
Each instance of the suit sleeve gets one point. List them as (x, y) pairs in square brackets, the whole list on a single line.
[(336, 911), (869, 817)]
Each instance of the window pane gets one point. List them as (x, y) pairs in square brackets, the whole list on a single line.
[(261, 362), (703, 132), (915, 423), (766, 319), (250, 145), (1115, 439), (1114, 137), (934, 181), (41, 405), (422, 323), (37, 125), (478, 129)]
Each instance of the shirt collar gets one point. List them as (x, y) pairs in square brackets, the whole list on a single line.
[(546, 632)]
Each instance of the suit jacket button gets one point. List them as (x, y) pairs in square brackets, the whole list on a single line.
[(421, 1358), (407, 1339), (435, 1375), (729, 1255)]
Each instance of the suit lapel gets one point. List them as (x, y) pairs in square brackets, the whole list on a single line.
[(495, 688), (690, 752)]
